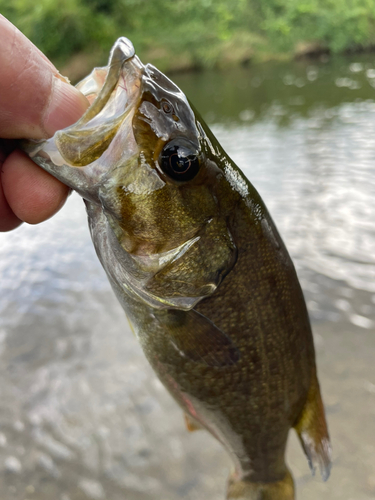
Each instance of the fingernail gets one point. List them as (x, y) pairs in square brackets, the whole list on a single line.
[(67, 105)]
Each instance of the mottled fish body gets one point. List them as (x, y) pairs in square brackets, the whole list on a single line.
[(199, 267)]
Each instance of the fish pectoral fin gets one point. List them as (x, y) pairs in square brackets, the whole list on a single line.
[(313, 433), (192, 424), (198, 339)]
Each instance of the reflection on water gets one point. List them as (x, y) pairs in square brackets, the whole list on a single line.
[(325, 209), (82, 416)]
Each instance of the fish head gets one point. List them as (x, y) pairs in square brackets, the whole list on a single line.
[(143, 160)]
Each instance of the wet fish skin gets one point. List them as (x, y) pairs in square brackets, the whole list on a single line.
[(200, 269)]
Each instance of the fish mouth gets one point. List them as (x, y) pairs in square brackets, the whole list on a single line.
[(114, 91), (103, 136)]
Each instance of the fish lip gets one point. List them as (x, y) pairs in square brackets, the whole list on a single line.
[(121, 54), (123, 48), (130, 68)]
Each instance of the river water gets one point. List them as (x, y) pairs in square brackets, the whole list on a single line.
[(82, 415)]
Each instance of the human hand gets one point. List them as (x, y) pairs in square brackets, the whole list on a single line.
[(35, 101)]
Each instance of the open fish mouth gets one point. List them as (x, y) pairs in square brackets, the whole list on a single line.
[(96, 143)]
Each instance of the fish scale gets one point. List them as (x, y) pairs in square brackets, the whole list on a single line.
[(199, 268)]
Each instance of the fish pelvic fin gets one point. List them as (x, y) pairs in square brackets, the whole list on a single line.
[(313, 432), (191, 423), (246, 490)]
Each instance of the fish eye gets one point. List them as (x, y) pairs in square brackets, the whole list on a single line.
[(179, 161)]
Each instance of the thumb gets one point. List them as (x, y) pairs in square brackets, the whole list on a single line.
[(35, 100)]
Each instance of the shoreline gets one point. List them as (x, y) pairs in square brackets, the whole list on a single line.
[(82, 63)]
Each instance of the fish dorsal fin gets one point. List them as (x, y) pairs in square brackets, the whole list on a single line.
[(198, 339), (313, 433)]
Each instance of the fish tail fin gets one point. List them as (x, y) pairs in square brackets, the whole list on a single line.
[(246, 490), (313, 433)]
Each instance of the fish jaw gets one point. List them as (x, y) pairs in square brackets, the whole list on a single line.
[(83, 154)]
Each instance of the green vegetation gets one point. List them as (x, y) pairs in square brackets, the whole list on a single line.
[(185, 34)]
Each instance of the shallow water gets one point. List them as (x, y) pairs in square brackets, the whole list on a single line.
[(82, 415)]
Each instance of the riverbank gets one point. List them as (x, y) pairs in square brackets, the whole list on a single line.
[(194, 34), (232, 58)]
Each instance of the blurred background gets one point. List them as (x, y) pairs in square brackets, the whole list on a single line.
[(192, 34), (289, 90)]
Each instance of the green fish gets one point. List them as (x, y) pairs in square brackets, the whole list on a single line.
[(199, 268)]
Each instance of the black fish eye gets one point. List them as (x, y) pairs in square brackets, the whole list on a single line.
[(179, 161)]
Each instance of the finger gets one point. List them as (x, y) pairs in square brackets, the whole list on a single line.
[(32, 194), (34, 99), (8, 220)]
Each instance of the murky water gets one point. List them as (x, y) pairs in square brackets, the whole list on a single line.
[(82, 415)]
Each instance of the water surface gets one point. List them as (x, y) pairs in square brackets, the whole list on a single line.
[(83, 417)]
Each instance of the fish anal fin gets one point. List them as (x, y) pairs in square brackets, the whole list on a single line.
[(246, 490), (313, 433), (192, 424)]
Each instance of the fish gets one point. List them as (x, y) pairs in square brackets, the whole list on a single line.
[(199, 267)]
